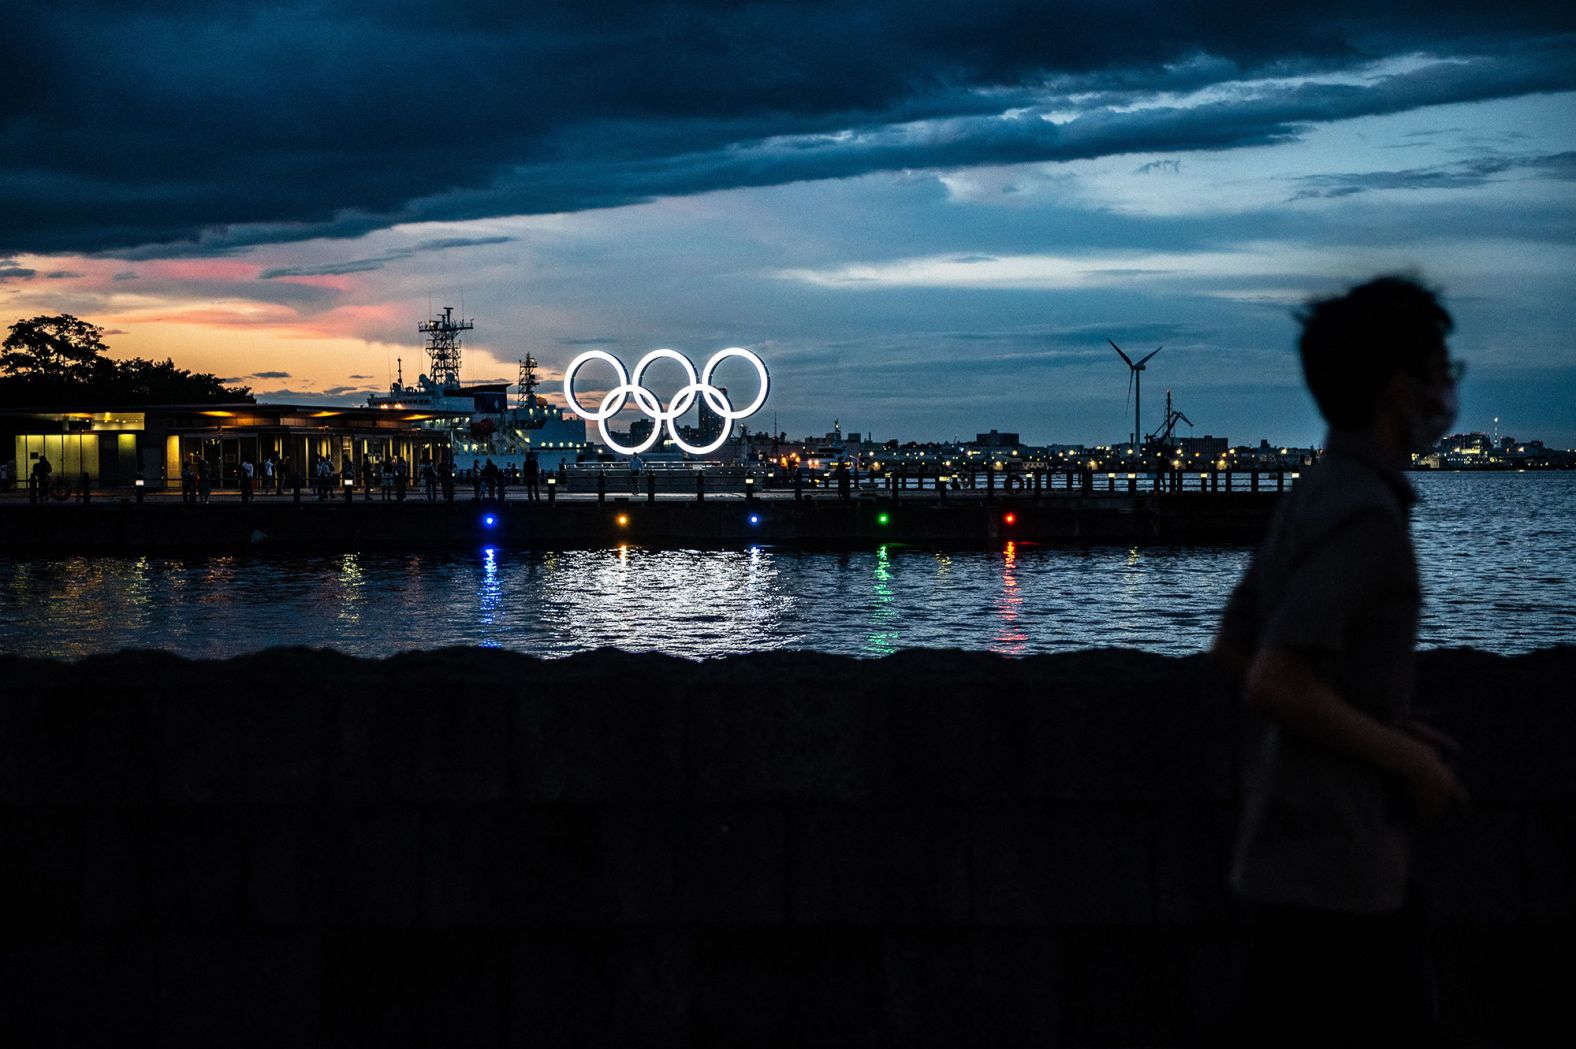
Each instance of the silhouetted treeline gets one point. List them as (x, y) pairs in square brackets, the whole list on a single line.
[(59, 361)]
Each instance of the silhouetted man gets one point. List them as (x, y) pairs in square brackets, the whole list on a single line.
[(533, 477), (1320, 633)]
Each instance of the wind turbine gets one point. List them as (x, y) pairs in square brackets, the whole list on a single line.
[(1135, 385)]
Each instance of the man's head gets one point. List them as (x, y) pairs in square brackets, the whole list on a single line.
[(1379, 351)]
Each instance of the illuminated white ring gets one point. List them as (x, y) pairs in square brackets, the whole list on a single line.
[(630, 386), (760, 370), (646, 401), (569, 384), (639, 374), (714, 397)]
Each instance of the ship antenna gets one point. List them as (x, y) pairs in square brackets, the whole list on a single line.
[(528, 383), (443, 346)]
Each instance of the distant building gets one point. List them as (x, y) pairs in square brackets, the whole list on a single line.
[(997, 440), (1205, 447), (710, 424)]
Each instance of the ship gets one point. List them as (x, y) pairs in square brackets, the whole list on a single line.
[(478, 419)]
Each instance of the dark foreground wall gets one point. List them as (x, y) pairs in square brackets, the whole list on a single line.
[(471, 848)]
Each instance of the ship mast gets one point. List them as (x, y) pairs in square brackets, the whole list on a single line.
[(528, 383), (443, 347)]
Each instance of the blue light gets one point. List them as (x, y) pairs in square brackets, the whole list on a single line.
[(755, 519), (489, 520)]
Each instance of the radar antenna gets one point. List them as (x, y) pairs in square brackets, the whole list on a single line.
[(443, 347), (528, 383)]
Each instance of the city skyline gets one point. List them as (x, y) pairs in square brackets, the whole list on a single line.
[(927, 223)]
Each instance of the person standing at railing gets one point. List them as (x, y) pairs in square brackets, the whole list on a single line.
[(533, 477)]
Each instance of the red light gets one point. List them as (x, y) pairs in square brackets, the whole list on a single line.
[(1009, 519)]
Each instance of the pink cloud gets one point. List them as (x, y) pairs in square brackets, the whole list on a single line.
[(219, 317), (364, 321), (199, 269)]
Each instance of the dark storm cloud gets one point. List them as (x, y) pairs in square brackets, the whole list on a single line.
[(223, 124)]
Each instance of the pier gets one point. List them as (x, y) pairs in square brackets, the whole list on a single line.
[(1077, 507)]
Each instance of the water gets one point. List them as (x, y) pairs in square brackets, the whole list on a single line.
[(1495, 552)]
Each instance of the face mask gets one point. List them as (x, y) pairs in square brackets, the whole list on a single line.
[(1433, 414)]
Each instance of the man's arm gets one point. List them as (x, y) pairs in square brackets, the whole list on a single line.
[(1237, 637), (1282, 686)]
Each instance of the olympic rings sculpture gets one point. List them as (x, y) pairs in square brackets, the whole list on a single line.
[(629, 388)]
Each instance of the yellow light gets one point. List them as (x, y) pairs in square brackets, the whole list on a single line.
[(623, 519)]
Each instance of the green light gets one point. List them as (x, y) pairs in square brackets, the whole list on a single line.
[(882, 519)]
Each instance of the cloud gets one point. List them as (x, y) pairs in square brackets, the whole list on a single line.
[(281, 375), (1463, 175), (595, 341), (125, 275), (1047, 272), (325, 269), (379, 261), (333, 395), (16, 273), (1172, 167), (311, 124), (62, 275)]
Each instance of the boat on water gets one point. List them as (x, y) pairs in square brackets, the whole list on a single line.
[(480, 422)]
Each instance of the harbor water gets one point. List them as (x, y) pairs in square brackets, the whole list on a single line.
[(1495, 552)]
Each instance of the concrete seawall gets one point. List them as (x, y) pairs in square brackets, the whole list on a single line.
[(469, 848), (278, 524)]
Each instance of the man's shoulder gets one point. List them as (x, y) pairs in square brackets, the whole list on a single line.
[(1339, 489)]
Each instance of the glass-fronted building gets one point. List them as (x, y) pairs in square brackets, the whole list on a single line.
[(112, 447)]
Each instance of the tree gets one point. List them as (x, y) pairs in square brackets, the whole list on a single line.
[(60, 361), (52, 349)]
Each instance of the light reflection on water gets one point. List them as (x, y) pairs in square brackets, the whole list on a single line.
[(1494, 553), (1010, 638)]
